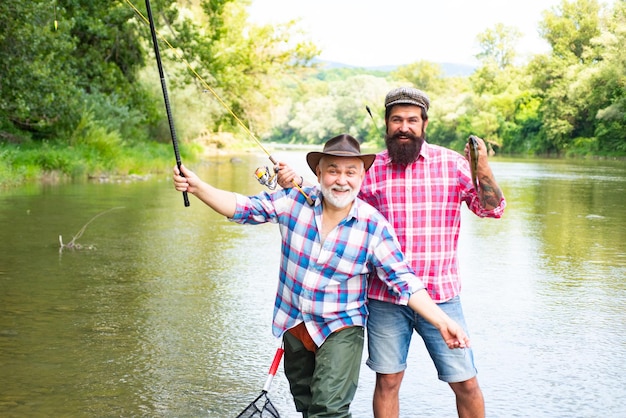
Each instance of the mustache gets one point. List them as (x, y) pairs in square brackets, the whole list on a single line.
[(399, 135), (341, 188)]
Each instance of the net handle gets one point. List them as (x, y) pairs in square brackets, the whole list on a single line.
[(273, 368)]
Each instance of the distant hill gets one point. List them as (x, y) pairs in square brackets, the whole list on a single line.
[(449, 69)]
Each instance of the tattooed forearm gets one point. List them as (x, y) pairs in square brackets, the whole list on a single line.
[(489, 193)]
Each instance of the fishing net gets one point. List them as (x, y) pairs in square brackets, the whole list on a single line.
[(260, 407)]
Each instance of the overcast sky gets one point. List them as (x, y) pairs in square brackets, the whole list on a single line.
[(394, 32)]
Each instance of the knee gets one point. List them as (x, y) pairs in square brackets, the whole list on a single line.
[(467, 389), (388, 383)]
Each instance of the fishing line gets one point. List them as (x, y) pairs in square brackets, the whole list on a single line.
[(217, 97)]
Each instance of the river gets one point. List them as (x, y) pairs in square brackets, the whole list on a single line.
[(165, 310)]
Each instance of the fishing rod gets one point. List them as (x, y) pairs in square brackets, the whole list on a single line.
[(262, 174), (170, 119), (371, 116)]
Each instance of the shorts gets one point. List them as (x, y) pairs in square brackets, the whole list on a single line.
[(389, 331)]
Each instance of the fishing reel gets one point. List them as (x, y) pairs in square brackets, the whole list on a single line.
[(264, 177)]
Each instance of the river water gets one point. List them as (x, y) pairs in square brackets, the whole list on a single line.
[(165, 311)]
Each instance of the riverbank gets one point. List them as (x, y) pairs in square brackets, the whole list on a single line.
[(52, 163)]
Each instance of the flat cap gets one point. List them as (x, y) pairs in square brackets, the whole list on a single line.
[(407, 96)]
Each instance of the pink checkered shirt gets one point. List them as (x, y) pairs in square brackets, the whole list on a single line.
[(423, 203)]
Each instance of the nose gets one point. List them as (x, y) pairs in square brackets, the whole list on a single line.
[(404, 126), (341, 179)]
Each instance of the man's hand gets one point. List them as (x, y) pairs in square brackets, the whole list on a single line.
[(286, 176), (221, 201), (454, 336), (187, 183), (482, 150)]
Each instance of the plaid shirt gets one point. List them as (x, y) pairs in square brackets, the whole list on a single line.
[(423, 203), (324, 284)]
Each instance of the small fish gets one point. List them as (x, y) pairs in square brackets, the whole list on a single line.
[(473, 146)]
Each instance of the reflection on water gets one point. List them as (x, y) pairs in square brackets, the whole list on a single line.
[(169, 314)]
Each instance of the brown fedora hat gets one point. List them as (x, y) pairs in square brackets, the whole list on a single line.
[(340, 146)]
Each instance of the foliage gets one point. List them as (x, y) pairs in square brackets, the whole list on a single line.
[(336, 106), (427, 75), (498, 45), (240, 62), (80, 94), (93, 156), (570, 28), (38, 93), (77, 77), (569, 102)]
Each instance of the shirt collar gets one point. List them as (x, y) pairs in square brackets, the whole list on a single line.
[(354, 210)]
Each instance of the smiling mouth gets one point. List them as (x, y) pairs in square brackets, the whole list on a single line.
[(340, 191)]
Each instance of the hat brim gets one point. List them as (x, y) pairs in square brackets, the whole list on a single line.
[(406, 102), (313, 158)]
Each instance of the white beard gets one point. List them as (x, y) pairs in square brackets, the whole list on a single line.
[(339, 202)]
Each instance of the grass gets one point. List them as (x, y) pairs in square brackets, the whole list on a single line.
[(27, 162)]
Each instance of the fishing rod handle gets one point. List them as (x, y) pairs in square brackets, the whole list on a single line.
[(185, 195)]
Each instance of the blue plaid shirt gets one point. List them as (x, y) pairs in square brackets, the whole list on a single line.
[(324, 284)]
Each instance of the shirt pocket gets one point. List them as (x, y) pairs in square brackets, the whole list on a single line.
[(344, 262)]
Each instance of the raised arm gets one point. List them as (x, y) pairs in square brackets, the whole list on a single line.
[(221, 201), (452, 333)]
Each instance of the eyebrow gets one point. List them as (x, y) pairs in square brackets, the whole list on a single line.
[(402, 117), (348, 167), (335, 165)]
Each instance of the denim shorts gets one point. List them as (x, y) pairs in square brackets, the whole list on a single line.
[(389, 331)]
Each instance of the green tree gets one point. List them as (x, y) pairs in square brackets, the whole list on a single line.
[(497, 86), (607, 93), (241, 63), (570, 27), (62, 58), (38, 84), (427, 76), (563, 79), (498, 45)]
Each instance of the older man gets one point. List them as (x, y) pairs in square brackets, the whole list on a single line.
[(328, 250)]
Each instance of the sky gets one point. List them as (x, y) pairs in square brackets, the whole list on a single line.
[(372, 33)]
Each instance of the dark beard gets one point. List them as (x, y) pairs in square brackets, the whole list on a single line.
[(404, 154)]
